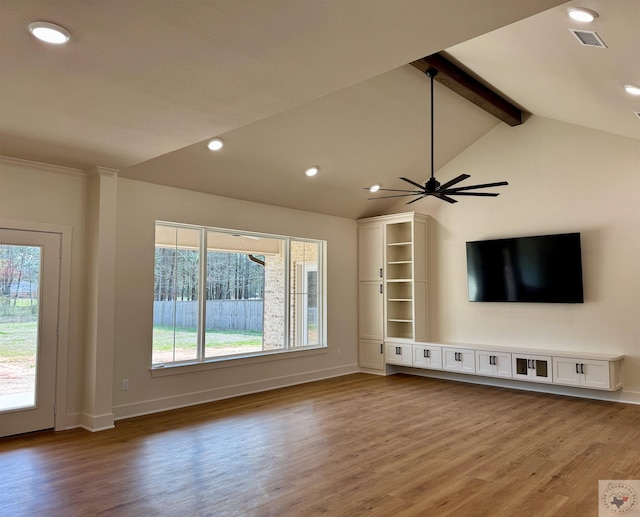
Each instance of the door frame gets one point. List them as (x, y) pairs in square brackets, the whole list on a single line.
[(62, 354)]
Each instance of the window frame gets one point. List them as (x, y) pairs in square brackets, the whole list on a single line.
[(289, 349)]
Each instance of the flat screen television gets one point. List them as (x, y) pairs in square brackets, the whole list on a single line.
[(540, 269)]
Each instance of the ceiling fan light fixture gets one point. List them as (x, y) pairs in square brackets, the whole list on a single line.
[(312, 171), (582, 14), (216, 144), (49, 32), (374, 188), (632, 89)]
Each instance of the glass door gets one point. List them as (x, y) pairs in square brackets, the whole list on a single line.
[(29, 278)]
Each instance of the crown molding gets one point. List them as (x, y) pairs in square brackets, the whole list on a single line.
[(101, 171), (47, 167)]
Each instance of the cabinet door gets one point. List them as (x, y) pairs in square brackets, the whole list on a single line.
[(399, 354), (541, 368), (484, 363), (370, 250), (467, 360), (502, 364), (370, 307), (450, 359), (427, 356), (566, 370), (371, 354), (595, 373)]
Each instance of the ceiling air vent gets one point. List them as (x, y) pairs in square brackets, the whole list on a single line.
[(588, 38)]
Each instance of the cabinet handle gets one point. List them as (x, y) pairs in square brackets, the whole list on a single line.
[(492, 359), (380, 288), (533, 364), (428, 353), (529, 364), (380, 272), (381, 348), (581, 367), (577, 368)]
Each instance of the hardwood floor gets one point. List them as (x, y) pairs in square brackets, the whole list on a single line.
[(354, 445)]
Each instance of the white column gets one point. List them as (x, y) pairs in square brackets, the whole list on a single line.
[(101, 198)]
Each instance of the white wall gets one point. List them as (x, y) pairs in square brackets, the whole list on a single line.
[(139, 206), (562, 178)]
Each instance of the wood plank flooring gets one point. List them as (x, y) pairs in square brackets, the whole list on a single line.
[(355, 445)]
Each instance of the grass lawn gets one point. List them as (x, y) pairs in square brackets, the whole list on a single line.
[(18, 340), (217, 343)]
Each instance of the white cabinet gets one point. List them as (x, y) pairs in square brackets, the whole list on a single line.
[(458, 360), (371, 354), (370, 296), (399, 353), (532, 367), (587, 373), (427, 356), (392, 272), (495, 364)]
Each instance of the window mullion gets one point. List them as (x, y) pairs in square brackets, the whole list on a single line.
[(287, 290), (202, 295)]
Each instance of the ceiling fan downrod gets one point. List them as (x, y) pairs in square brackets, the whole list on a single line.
[(432, 186)]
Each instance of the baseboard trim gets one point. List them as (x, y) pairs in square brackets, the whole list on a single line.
[(95, 423), (147, 407), (622, 396)]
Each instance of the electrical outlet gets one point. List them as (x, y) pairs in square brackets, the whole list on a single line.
[(125, 384)]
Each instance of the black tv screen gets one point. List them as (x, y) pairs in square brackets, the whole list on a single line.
[(541, 269)]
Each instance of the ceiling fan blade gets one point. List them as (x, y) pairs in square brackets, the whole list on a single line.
[(395, 190), (484, 185), (413, 183), (448, 184), (444, 197), (397, 195), (416, 199), (488, 194)]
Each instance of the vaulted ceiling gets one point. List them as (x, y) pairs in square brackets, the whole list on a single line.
[(141, 87)]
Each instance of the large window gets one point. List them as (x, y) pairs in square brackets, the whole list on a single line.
[(222, 293)]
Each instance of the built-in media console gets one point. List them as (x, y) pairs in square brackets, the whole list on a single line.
[(584, 370)]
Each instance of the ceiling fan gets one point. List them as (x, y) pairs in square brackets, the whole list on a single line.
[(432, 187)]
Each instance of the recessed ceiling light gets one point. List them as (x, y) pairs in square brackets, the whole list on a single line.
[(215, 144), (49, 32), (632, 89), (582, 14), (312, 171), (374, 188)]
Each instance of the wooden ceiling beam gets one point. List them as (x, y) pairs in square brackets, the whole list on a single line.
[(456, 79)]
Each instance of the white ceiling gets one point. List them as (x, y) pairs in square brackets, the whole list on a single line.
[(290, 83)]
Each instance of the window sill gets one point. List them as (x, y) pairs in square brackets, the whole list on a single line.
[(228, 362)]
